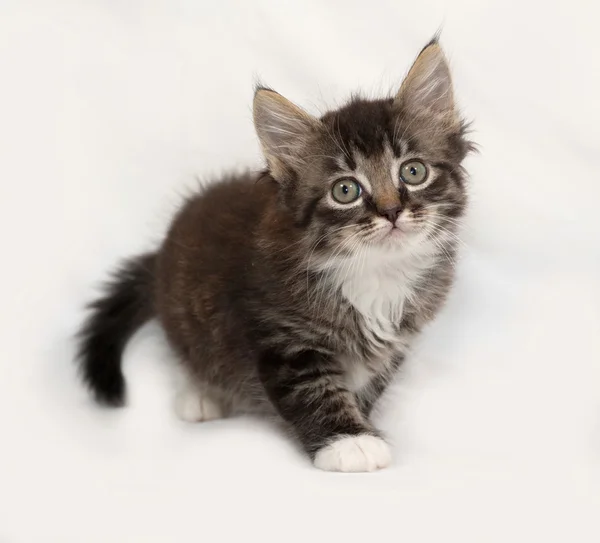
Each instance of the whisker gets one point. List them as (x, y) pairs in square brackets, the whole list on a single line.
[(441, 230)]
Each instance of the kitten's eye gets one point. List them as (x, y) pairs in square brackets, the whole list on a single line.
[(413, 172), (345, 191)]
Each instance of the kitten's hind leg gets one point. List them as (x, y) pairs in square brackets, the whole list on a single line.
[(197, 404)]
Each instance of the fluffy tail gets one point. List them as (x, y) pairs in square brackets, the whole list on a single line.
[(125, 306)]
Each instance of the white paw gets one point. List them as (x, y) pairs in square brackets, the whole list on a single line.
[(354, 453), (191, 406)]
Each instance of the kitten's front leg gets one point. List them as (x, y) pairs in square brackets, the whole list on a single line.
[(368, 398), (307, 390)]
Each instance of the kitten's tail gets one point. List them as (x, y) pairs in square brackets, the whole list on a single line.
[(115, 316)]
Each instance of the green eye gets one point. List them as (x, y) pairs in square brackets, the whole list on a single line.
[(345, 191), (413, 172)]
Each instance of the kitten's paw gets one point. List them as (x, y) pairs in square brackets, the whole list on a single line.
[(191, 406), (354, 453)]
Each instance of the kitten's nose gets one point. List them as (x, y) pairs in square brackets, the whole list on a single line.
[(391, 213)]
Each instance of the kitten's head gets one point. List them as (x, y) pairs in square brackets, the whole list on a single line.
[(379, 173)]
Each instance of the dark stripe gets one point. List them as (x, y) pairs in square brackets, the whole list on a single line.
[(308, 212), (312, 374), (446, 166), (350, 162)]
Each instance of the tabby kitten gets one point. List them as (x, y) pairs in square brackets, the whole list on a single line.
[(298, 291)]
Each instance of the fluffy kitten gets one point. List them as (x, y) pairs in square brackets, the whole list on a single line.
[(298, 291)]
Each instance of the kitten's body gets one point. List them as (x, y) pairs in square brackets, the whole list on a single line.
[(222, 324), (279, 299)]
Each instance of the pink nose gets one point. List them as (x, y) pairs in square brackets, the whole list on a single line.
[(391, 213)]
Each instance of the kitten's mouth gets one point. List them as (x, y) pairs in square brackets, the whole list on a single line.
[(391, 232)]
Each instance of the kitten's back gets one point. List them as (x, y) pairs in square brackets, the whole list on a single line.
[(204, 265)]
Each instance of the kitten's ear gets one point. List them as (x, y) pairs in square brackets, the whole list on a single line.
[(427, 88), (283, 130)]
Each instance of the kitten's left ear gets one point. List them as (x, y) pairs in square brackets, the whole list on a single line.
[(283, 130), (427, 88)]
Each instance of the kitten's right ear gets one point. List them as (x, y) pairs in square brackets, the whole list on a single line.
[(283, 130)]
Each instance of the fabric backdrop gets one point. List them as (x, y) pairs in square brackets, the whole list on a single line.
[(111, 111)]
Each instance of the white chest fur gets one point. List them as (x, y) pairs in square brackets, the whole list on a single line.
[(377, 285)]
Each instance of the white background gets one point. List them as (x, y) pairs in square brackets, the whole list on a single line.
[(108, 112)]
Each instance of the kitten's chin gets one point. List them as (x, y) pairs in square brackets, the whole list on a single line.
[(395, 233)]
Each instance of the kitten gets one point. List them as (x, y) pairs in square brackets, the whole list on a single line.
[(299, 290)]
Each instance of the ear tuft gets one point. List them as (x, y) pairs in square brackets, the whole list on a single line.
[(283, 130)]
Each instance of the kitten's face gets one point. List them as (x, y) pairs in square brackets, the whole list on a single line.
[(381, 174)]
